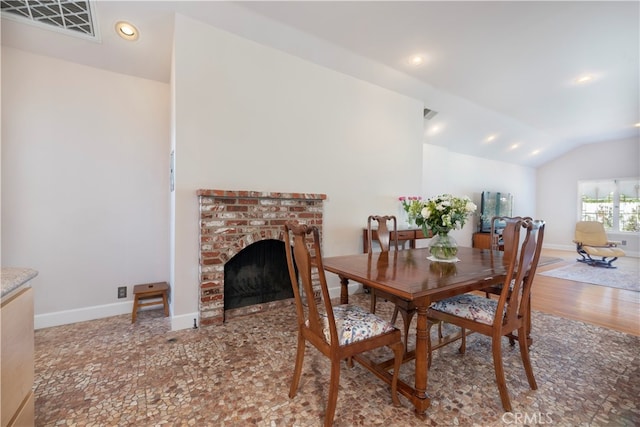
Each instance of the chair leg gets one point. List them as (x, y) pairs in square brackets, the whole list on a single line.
[(333, 393), (398, 352), (527, 327), (463, 341), (442, 341), (373, 301), (526, 360), (350, 362), (406, 323), (429, 351), (499, 368), (395, 315), (298, 368)]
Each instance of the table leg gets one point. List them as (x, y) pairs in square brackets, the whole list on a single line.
[(344, 290), (421, 400)]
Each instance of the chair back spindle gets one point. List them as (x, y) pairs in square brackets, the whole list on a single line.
[(387, 238), (498, 240), (510, 237), (300, 256), (535, 234), (516, 288)]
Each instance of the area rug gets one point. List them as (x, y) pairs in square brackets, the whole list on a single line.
[(110, 372), (626, 276)]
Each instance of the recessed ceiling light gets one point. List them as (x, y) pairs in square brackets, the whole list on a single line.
[(514, 146), (637, 125), (127, 31), (491, 138), (586, 78), (535, 152), (416, 60)]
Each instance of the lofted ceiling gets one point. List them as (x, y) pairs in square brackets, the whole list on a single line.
[(501, 69)]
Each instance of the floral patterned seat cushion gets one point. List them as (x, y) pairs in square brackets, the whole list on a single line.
[(354, 324), (472, 307)]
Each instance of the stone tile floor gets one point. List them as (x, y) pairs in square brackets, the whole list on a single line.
[(109, 372)]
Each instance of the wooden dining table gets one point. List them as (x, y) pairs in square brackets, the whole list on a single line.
[(417, 282)]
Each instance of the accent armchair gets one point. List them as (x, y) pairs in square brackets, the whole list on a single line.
[(591, 241)]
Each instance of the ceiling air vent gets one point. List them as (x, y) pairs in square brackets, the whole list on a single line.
[(71, 17), (429, 114)]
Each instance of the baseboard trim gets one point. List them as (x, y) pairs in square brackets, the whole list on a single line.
[(569, 248), (66, 317), (185, 321)]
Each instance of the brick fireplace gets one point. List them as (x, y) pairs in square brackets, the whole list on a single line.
[(232, 220)]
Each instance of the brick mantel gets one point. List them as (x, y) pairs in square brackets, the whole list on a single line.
[(232, 220), (259, 195)]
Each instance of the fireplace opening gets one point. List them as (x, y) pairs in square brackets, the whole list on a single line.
[(257, 274)]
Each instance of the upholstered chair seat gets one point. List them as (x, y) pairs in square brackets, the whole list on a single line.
[(354, 324), (467, 306)]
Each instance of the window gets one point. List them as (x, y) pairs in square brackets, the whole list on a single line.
[(614, 202)]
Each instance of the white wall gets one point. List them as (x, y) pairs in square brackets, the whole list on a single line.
[(462, 175), (249, 117), (85, 159), (85, 197), (558, 187)]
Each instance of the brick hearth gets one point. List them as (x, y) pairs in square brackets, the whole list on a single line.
[(231, 221)]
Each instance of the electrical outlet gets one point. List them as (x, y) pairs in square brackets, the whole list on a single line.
[(624, 243), (122, 291)]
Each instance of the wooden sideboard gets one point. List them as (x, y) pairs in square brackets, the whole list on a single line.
[(409, 235), (483, 240)]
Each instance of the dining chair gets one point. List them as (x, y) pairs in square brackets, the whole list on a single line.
[(339, 332), (496, 318), (499, 244), (388, 243), (387, 240)]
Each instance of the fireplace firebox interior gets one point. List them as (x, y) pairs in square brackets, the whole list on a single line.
[(258, 274)]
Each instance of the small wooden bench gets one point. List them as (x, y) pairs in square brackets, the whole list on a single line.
[(148, 291)]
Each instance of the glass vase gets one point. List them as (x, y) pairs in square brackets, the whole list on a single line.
[(443, 247), (411, 221)]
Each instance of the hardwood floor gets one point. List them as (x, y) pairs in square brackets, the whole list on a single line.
[(612, 308)]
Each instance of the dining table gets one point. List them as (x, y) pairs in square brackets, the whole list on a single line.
[(416, 281)]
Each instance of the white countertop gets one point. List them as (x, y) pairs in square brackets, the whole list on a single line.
[(12, 278)]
